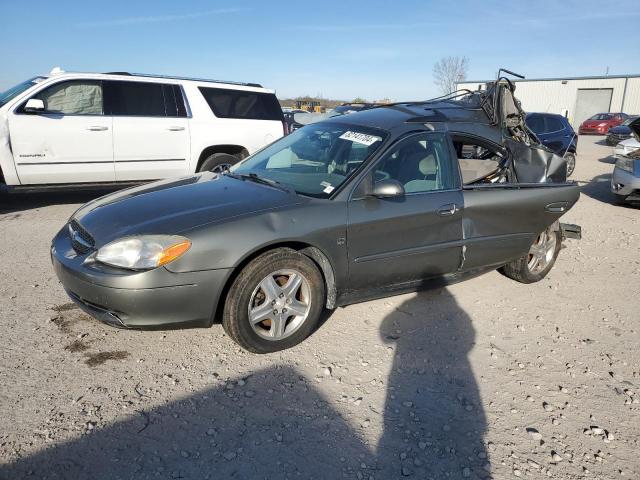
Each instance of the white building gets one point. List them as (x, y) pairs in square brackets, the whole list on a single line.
[(577, 98)]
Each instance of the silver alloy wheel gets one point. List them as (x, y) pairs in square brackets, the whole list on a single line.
[(542, 251), (570, 157), (280, 304)]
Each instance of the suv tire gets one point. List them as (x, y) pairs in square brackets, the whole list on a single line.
[(218, 162), (284, 282)]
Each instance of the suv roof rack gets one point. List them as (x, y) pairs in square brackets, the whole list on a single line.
[(193, 79)]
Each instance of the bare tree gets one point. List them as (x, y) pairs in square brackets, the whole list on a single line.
[(449, 70)]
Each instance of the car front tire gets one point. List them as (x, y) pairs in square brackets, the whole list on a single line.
[(218, 162), (275, 302), (538, 262)]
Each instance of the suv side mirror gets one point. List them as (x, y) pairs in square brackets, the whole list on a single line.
[(34, 105), (388, 189)]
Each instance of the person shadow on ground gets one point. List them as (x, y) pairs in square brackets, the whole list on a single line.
[(276, 423), (434, 420)]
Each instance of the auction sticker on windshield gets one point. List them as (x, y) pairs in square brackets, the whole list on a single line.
[(362, 138)]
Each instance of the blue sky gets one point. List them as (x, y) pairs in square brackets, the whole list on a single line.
[(340, 49)]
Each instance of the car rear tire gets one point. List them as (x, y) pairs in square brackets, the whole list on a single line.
[(570, 157), (218, 162), (537, 263), (275, 302)]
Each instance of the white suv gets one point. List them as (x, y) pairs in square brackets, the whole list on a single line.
[(69, 128)]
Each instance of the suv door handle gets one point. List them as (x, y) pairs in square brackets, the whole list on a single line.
[(97, 128), (448, 209), (175, 128)]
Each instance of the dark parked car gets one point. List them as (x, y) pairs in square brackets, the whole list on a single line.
[(556, 133), (600, 123), (620, 133), (351, 208)]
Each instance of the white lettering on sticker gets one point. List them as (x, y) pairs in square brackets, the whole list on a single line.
[(361, 138)]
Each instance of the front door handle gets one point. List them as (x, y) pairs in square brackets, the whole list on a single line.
[(97, 128), (175, 128), (448, 209)]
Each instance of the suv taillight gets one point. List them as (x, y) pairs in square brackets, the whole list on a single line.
[(285, 128)]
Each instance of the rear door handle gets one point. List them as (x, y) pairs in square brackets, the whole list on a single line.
[(557, 207), (448, 209), (175, 128), (97, 128)]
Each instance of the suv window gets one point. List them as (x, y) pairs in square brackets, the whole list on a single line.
[(553, 124), (74, 97), (421, 163), (228, 103), (144, 99)]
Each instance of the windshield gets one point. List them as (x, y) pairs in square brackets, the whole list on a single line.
[(602, 116), (316, 159), (13, 92), (629, 120)]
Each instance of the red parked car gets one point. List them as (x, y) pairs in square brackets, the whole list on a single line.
[(600, 123)]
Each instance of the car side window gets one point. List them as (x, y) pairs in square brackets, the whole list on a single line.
[(75, 97), (552, 124), (421, 164), (535, 123), (479, 163)]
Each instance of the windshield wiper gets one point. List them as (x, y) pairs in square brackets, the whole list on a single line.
[(253, 177)]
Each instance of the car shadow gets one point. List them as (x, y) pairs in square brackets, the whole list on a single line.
[(276, 423), (602, 141), (610, 159), (599, 188), (18, 201)]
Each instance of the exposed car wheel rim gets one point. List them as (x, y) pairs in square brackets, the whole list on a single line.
[(571, 163), (280, 304), (542, 251), (221, 168)]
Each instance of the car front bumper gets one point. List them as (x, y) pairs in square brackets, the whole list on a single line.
[(593, 131), (625, 184), (132, 299), (613, 139)]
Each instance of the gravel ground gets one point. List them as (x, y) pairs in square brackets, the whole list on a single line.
[(484, 379)]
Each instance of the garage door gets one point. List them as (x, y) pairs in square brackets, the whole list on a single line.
[(590, 101)]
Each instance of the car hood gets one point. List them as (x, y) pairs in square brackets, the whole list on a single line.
[(176, 205), (620, 129), (594, 123), (629, 143)]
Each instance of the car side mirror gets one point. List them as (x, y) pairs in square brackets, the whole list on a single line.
[(34, 105), (388, 189)]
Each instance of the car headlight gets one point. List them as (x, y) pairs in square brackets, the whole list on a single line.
[(625, 164), (143, 252)]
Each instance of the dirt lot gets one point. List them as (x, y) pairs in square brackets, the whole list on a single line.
[(484, 379)]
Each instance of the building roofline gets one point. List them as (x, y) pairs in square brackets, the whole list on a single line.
[(555, 79)]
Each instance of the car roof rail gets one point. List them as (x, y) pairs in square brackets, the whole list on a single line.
[(192, 79)]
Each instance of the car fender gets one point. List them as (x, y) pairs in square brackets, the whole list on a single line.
[(7, 165)]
